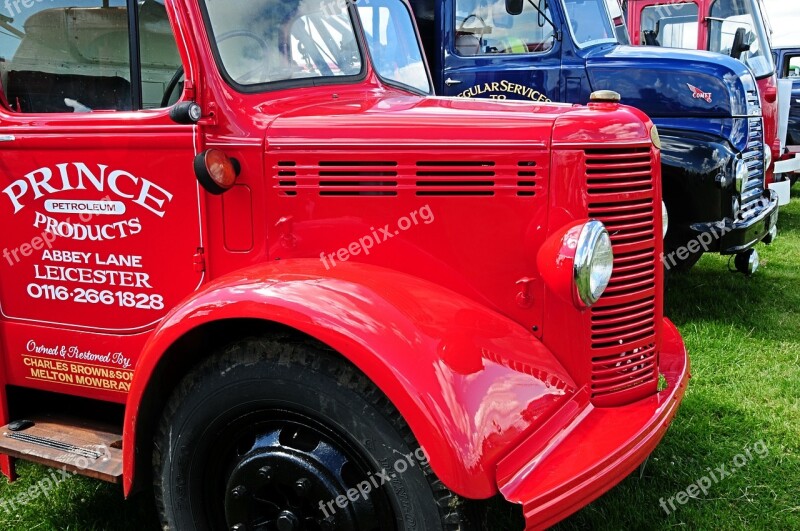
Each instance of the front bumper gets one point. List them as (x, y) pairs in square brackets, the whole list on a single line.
[(788, 165), (741, 235), (583, 451)]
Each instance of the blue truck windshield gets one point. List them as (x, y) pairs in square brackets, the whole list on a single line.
[(590, 22)]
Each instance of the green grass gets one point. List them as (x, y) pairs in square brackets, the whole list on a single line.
[(743, 335)]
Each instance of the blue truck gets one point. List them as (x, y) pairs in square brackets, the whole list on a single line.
[(706, 106)]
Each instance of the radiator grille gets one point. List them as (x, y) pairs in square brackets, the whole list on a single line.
[(623, 334), (753, 156)]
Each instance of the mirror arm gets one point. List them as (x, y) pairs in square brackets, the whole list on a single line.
[(541, 14)]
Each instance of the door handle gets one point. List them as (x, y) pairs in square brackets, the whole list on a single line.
[(450, 82), (7, 138)]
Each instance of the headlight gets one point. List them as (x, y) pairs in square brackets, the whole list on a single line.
[(767, 157), (741, 175), (664, 218), (594, 263)]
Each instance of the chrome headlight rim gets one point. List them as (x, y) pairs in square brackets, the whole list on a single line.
[(593, 242), (664, 219), (655, 137), (741, 173)]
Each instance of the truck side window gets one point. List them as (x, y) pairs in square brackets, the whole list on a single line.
[(160, 59), (73, 56), (484, 28), (671, 26), (794, 68), (66, 56)]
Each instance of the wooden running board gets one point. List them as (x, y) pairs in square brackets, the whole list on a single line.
[(87, 450)]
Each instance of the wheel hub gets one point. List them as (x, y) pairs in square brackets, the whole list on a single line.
[(284, 482)]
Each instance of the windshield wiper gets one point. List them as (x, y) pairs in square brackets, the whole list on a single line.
[(5, 23)]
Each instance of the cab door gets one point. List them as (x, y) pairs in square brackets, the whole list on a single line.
[(791, 69), (102, 228), (490, 53)]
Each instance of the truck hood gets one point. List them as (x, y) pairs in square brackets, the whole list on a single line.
[(392, 118), (398, 119), (672, 83)]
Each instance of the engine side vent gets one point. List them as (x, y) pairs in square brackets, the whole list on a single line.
[(424, 178), (339, 178)]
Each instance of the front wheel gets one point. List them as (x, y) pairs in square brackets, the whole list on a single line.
[(270, 436)]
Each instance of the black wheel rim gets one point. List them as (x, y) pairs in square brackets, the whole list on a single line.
[(280, 470)]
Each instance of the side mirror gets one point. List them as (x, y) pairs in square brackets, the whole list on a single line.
[(186, 113), (514, 7), (739, 45)]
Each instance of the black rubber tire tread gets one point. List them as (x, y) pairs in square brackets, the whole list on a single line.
[(455, 513)]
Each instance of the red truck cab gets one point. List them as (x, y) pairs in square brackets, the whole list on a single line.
[(736, 28), (248, 257)]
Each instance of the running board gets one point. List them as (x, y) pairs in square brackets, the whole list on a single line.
[(76, 447)]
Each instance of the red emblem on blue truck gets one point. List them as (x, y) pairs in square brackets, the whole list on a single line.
[(699, 94)]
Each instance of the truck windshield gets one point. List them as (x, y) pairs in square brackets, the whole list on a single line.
[(266, 41), (737, 28), (590, 22)]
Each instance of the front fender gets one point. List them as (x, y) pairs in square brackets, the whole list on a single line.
[(692, 168), (469, 382)]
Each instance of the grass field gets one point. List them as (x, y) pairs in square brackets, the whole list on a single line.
[(743, 335)]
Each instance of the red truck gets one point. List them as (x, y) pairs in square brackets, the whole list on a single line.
[(737, 28), (249, 258)]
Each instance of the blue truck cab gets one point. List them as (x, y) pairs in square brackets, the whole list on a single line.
[(706, 106)]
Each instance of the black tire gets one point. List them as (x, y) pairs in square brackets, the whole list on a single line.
[(793, 179), (311, 427)]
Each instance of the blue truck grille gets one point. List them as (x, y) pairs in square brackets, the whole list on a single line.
[(753, 156)]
